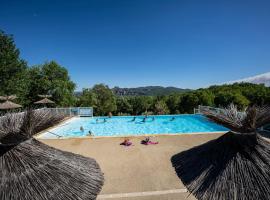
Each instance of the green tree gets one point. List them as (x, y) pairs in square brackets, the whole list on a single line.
[(88, 98), (223, 99), (106, 100), (189, 102), (173, 102), (206, 97), (51, 78), (141, 104), (123, 105), (13, 77), (161, 108), (241, 101)]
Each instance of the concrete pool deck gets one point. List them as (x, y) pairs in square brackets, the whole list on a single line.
[(136, 172)]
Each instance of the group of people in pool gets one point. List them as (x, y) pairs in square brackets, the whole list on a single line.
[(104, 120), (134, 118), (89, 132), (153, 118), (146, 141)]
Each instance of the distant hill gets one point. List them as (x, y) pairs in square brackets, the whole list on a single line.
[(147, 91)]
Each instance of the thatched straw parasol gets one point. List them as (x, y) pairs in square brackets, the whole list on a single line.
[(7, 98), (33, 170), (8, 104), (45, 100), (233, 166)]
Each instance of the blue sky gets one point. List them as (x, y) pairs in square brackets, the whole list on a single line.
[(129, 43)]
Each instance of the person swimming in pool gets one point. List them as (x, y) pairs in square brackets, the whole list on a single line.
[(81, 129), (89, 133), (133, 119), (173, 118), (144, 119), (96, 120), (105, 120), (153, 118)]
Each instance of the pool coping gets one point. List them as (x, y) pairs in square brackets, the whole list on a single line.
[(132, 136), (38, 135)]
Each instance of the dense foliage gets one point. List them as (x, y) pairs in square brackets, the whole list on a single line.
[(147, 91), (12, 68), (28, 82), (241, 94), (51, 78)]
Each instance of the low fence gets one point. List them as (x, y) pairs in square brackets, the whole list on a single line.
[(73, 111), (205, 108)]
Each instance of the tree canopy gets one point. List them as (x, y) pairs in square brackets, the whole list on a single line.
[(51, 78), (13, 74), (28, 82)]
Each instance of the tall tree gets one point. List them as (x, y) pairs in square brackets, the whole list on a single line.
[(172, 102), (123, 105), (161, 108), (88, 98), (189, 102), (13, 78), (226, 98), (51, 78), (106, 101), (141, 104)]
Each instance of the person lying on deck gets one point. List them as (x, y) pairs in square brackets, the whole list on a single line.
[(126, 142), (147, 141)]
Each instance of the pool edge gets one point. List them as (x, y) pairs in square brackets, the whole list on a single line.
[(129, 136)]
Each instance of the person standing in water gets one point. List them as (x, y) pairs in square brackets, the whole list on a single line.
[(110, 115), (144, 119), (89, 133), (81, 129)]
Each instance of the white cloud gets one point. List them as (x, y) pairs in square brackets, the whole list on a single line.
[(262, 78)]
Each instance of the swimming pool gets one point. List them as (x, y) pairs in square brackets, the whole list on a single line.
[(127, 126)]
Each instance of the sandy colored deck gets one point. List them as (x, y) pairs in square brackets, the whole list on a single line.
[(138, 168)]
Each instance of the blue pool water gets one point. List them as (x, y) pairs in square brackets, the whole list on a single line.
[(124, 126)]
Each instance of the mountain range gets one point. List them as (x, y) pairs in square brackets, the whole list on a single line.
[(147, 91), (159, 90)]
